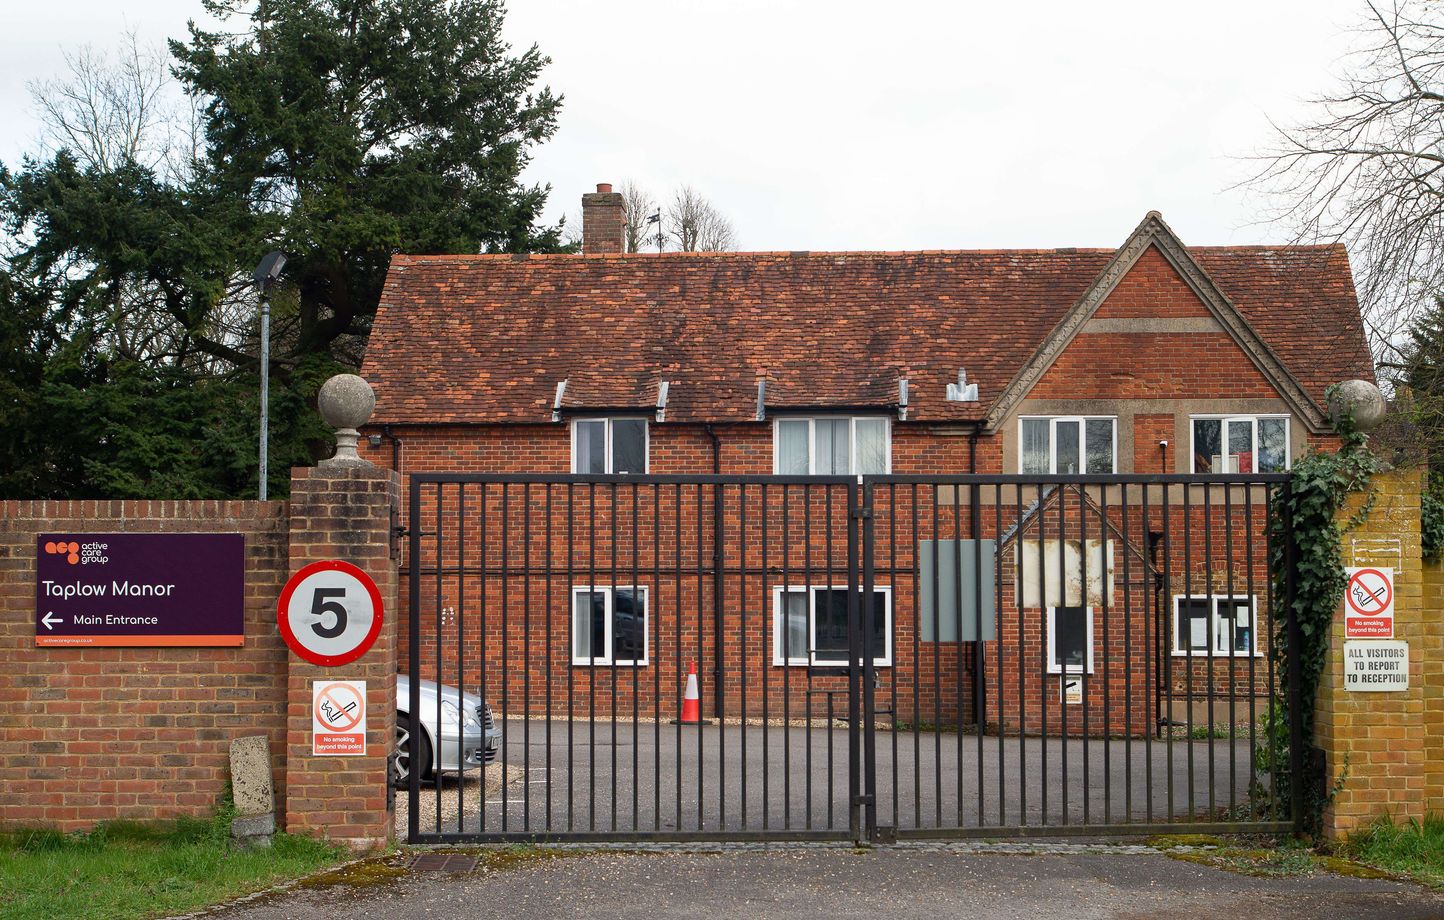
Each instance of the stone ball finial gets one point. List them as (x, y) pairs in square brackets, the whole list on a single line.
[(1360, 399), (346, 402)]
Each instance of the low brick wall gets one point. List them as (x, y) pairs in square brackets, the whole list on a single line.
[(93, 734), (96, 734)]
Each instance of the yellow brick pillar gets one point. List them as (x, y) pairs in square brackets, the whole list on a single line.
[(1428, 651), (1387, 745)]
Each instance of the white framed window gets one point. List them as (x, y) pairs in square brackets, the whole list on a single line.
[(836, 445), (1067, 444), (609, 625), (809, 625), (1070, 640), (609, 445), (1219, 626), (1240, 443)]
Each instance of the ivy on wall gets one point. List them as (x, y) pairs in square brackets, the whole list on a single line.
[(1431, 526), (1306, 517)]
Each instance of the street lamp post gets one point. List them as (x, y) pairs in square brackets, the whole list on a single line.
[(266, 274)]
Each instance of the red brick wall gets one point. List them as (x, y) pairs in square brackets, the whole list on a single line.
[(502, 612), (1151, 289), (92, 734), (1153, 365), (1135, 676), (1148, 430)]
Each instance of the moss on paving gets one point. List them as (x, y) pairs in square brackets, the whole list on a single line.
[(1408, 851), (378, 870)]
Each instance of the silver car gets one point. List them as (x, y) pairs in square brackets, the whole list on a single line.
[(466, 732)]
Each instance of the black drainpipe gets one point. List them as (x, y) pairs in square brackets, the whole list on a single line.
[(395, 447), (1161, 661), (717, 561), (397, 531)]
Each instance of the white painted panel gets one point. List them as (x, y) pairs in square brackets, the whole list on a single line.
[(1052, 576)]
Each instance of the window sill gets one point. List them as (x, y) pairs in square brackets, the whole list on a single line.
[(1054, 669), (837, 665), (601, 663), (1176, 653)]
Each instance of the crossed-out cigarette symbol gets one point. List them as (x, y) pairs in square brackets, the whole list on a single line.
[(1366, 600), (336, 716)]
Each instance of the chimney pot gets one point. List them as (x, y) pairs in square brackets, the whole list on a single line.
[(604, 187)]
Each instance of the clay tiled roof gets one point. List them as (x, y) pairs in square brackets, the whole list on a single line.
[(487, 338)]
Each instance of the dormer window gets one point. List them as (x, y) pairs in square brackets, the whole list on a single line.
[(609, 445), (837, 445)]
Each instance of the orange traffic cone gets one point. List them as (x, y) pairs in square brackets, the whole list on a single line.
[(691, 700)]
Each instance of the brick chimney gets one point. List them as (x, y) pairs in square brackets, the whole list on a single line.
[(602, 220)]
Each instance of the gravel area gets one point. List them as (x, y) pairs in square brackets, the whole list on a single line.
[(456, 792)]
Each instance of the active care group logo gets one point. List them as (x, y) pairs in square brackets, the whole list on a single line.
[(78, 553)]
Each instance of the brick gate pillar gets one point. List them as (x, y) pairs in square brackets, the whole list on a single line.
[(344, 510), (1379, 743)]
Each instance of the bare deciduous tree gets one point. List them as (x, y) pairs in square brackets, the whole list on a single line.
[(112, 111), (638, 208), (695, 225), (1368, 167), (124, 108)]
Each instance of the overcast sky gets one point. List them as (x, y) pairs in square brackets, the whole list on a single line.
[(835, 124)]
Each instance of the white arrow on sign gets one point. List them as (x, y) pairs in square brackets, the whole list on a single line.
[(50, 619)]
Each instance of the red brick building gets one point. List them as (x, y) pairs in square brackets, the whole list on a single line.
[(1151, 358)]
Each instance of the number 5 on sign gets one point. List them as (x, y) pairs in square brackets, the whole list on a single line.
[(330, 613)]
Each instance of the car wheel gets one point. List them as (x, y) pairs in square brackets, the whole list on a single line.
[(401, 764)]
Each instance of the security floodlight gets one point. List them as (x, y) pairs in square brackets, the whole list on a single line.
[(269, 271)]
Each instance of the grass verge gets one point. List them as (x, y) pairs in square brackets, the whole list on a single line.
[(133, 870), (1414, 848)]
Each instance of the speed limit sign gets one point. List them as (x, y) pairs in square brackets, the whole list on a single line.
[(330, 613)]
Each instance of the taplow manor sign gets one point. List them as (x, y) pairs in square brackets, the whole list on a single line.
[(139, 589)]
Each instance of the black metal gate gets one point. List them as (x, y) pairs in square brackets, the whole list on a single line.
[(878, 657)]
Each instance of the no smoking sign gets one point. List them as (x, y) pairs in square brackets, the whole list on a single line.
[(1369, 604), (338, 718)]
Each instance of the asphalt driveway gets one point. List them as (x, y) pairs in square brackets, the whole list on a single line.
[(899, 884), (587, 776)]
